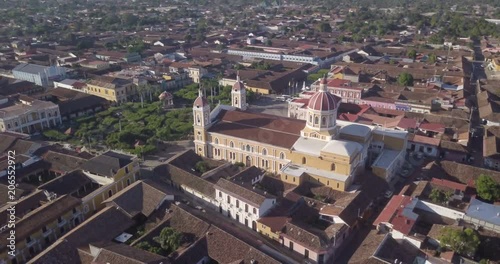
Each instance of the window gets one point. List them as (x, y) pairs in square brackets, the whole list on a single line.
[(291, 245), (254, 210), (126, 169), (248, 148), (304, 160), (310, 119), (237, 203), (128, 182), (59, 220), (246, 208), (231, 144), (110, 193), (264, 152), (293, 179), (220, 194), (62, 230), (333, 167), (316, 120), (323, 121), (28, 239), (228, 199), (282, 155), (15, 124), (44, 229), (306, 253), (338, 185), (216, 141), (328, 183)]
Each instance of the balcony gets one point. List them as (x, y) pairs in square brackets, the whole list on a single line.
[(47, 232), (61, 223)]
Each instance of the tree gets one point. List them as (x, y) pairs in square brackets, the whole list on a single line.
[(405, 79), (325, 27), (412, 54), (169, 239), (201, 166), (438, 196), (487, 188), (461, 241), (55, 135), (432, 58), (144, 245)]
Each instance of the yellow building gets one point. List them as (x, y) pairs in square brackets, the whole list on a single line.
[(113, 171), (112, 89), (319, 149), (41, 218), (62, 203)]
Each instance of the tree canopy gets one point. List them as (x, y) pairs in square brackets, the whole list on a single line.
[(487, 188), (461, 241), (169, 239), (405, 79)]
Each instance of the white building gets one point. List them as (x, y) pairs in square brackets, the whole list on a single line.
[(40, 75), (243, 204), (27, 115)]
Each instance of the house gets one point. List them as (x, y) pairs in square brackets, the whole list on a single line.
[(42, 218), (95, 64), (453, 151), (71, 84), (117, 57), (242, 202), (73, 104), (491, 148), (40, 75), (24, 114), (114, 171), (483, 215), (116, 90), (196, 73), (428, 146)]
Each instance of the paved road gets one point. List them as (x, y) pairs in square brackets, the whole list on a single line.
[(167, 151)]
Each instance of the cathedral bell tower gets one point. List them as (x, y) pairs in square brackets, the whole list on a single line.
[(201, 122), (239, 94)]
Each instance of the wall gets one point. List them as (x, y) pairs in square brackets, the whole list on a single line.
[(266, 231), (273, 157), (251, 215), (299, 248), (440, 210)]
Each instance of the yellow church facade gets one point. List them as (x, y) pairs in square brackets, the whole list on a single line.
[(319, 149)]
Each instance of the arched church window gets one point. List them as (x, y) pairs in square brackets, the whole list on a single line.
[(304, 160), (282, 155), (333, 167), (231, 144), (316, 120), (323, 121), (216, 141), (198, 119), (264, 152)]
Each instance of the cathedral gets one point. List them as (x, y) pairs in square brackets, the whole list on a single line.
[(320, 149)]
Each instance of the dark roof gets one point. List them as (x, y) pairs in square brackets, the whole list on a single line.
[(63, 163), (268, 129), (67, 183), (41, 216), (453, 146), (104, 226), (191, 226), (225, 248), (107, 164), (309, 236), (459, 172), (182, 177), (125, 254), (139, 197), (70, 101), (254, 197), (6, 141), (368, 247)]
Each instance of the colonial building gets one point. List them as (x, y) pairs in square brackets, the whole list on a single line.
[(27, 115), (116, 90), (319, 149)]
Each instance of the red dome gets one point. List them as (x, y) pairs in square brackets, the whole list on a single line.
[(238, 85), (323, 101), (200, 101)]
